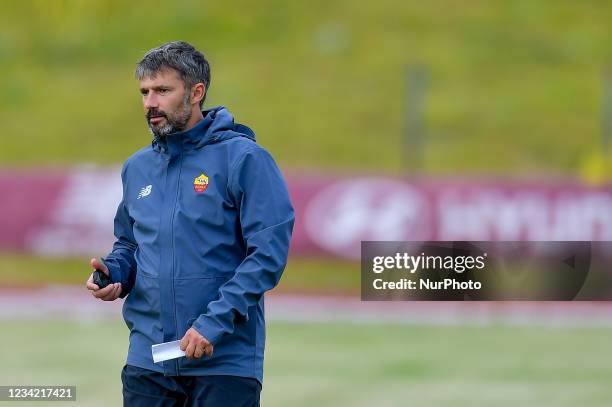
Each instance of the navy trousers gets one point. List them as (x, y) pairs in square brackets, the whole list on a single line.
[(143, 387)]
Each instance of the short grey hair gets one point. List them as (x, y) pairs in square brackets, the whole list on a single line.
[(181, 56)]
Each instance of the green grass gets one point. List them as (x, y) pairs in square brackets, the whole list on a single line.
[(347, 365), (301, 275), (515, 87)]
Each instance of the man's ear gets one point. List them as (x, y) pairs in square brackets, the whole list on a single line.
[(198, 91)]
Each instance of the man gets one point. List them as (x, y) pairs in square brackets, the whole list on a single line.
[(202, 232)]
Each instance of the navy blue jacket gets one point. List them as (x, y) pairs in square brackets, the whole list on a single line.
[(202, 232)]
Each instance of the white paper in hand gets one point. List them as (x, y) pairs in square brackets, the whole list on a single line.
[(166, 351)]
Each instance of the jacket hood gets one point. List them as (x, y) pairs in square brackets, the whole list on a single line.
[(217, 125)]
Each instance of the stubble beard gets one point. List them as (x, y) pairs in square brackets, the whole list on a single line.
[(175, 121)]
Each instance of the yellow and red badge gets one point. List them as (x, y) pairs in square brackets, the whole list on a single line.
[(200, 183)]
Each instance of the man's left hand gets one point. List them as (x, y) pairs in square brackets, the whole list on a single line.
[(195, 345)]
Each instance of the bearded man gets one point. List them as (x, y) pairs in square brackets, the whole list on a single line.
[(202, 232)]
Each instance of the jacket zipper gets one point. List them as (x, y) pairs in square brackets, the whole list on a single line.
[(176, 198)]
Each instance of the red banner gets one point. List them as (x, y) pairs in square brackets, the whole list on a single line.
[(71, 213)]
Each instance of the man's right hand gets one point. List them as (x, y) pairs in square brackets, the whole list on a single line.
[(109, 293)]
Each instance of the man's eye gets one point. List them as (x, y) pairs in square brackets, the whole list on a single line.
[(144, 92), (163, 91)]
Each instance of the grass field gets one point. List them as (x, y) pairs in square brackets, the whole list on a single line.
[(320, 275), (347, 365), (515, 87)]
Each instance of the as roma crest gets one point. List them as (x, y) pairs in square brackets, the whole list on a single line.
[(200, 183)]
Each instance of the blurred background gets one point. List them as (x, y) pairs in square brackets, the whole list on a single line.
[(475, 120)]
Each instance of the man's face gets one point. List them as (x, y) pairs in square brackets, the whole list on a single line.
[(166, 102)]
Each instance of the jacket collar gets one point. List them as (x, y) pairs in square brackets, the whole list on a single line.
[(217, 125)]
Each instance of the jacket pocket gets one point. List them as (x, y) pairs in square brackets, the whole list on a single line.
[(141, 309), (192, 297)]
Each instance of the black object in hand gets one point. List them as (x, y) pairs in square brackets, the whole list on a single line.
[(101, 279)]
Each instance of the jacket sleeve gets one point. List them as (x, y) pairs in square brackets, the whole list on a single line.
[(120, 261), (266, 220)]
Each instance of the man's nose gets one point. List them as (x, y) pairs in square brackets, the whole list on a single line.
[(150, 101)]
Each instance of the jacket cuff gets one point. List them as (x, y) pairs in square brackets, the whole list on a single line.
[(115, 276), (208, 328)]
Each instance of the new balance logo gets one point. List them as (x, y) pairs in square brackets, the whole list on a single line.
[(145, 191)]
